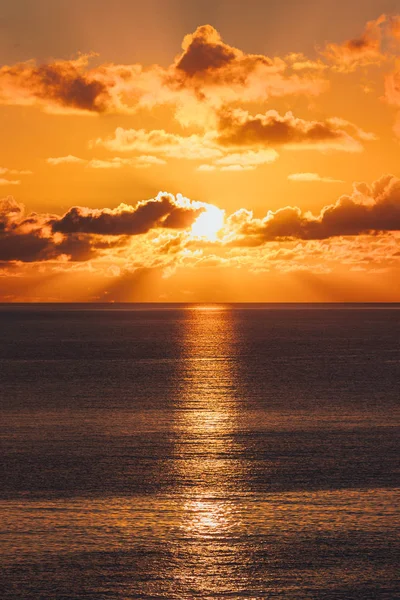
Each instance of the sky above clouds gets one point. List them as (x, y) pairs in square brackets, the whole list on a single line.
[(200, 151)]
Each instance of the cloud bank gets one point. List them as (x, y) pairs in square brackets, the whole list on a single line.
[(82, 234)]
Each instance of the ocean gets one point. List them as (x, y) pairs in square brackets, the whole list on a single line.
[(183, 452)]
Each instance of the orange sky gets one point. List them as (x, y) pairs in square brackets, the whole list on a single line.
[(200, 151)]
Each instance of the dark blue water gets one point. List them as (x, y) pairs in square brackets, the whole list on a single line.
[(209, 452)]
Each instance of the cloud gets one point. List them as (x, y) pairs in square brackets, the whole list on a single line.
[(62, 85), (369, 210), (10, 212), (360, 230), (238, 168), (117, 162), (205, 77), (158, 141), (9, 181), (220, 73), (238, 128), (299, 62), (83, 233), (96, 163), (204, 52), (242, 161), (4, 181), (29, 238), (364, 253), (207, 74), (165, 211), (311, 177), (7, 171), (207, 60), (358, 52), (248, 159), (61, 160), (207, 168), (148, 160), (33, 247)]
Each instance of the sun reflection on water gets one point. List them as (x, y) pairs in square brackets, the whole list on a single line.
[(208, 463), (208, 517), (209, 307)]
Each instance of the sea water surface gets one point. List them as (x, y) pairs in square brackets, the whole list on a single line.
[(170, 451)]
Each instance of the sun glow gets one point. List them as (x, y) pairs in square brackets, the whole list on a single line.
[(209, 223)]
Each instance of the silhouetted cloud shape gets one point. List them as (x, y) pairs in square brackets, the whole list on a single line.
[(30, 239), (205, 54), (32, 247), (204, 50), (163, 211), (82, 232), (370, 209)]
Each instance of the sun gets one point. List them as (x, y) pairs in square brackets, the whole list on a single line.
[(208, 224)]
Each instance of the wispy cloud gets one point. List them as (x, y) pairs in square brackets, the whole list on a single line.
[(358, 52), (7, 171), (116, 162), (158, 141), (312, 177), (4, 181), (61, 160)]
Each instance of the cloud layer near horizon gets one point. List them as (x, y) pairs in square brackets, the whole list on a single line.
[(82, 234)]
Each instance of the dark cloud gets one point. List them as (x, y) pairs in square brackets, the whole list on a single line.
[(67, 87), (31, 247), (163, 211), (62, 84), (205, 55), (30, 239), (204, 50), (218, 73), (82, 233), (239, 128), (27, 247), (369, 210)]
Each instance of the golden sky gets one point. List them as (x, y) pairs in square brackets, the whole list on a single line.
[(202, 151)]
